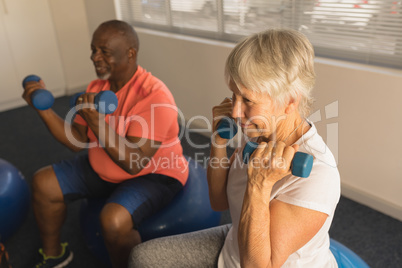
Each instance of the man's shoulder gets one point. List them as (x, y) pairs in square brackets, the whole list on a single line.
[(150, 80), (152, 86)]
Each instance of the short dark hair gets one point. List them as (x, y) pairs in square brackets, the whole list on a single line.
[(124, 29)]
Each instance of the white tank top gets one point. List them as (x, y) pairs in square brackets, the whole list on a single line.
[(320, 192)]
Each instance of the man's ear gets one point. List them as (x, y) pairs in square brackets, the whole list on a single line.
[(132, 53)]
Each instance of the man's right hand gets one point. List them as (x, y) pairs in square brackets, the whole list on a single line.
[(29, 88)]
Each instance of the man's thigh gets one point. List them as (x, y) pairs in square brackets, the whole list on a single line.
[(78, 180), (144, 196)]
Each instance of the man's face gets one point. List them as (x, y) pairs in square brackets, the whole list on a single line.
[(110, 54)]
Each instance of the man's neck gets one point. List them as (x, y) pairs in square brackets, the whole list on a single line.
[(116, 85)]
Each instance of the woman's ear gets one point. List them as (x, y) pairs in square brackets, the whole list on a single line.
[(292, 106)]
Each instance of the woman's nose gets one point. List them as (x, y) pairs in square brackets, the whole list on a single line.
[(237, 110)]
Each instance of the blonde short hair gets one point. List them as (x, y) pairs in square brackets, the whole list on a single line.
[(279, 62)]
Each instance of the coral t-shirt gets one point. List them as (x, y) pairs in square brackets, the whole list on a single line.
[(146, 109)]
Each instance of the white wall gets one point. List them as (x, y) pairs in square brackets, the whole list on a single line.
[(72, 31), (99, 11), (50, 38), (369, 122), (193, 70), (28, 44)]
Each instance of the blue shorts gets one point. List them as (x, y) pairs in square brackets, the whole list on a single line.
[(141, 196)]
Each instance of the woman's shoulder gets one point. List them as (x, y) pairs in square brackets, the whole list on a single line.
[(321, 190), (312, 143)]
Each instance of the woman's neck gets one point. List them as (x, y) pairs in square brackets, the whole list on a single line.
[(289, 131)]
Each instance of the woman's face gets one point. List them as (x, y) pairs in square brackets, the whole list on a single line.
[(255, 112)]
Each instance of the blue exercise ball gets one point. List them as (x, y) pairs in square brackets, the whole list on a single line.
[(14, 199), (190, 210), (345, 257)]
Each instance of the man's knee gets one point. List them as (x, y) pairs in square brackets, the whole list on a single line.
[(115, 220), (46, 186)]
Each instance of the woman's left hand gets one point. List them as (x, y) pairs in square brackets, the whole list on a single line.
[(270, 162)]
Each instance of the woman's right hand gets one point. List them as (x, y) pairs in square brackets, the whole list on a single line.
[(224, 109)]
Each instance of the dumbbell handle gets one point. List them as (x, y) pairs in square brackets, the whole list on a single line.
[(105, 101), (301, 165), (42, 99), (227, 128)]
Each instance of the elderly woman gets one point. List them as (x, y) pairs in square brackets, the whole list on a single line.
[(278, 219)]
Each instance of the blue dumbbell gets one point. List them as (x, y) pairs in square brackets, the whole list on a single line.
[(302, 163), (42, 99), (105, 101), (227, 128)]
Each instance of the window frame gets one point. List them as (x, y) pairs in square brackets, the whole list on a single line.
[(294, 21)]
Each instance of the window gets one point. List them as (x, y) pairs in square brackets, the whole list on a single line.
[(362, 31)]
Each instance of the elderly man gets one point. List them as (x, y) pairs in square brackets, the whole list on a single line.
[(124, 149)]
